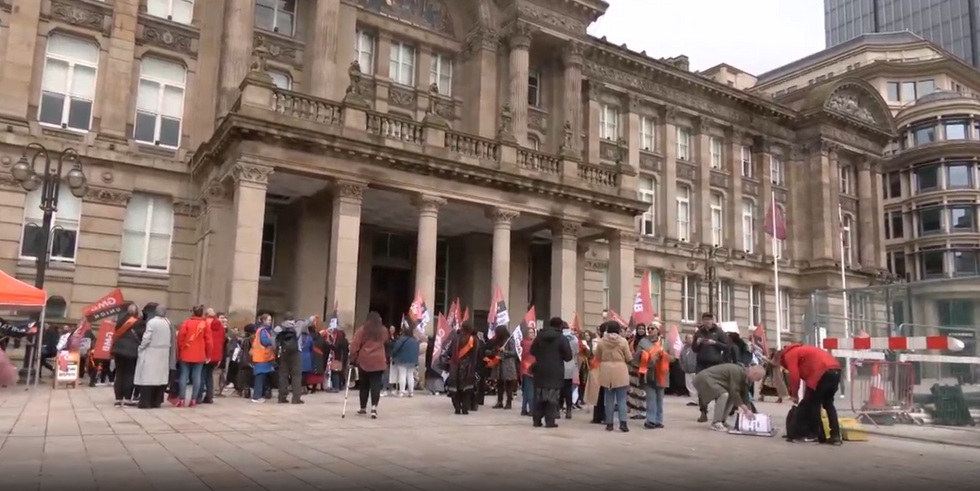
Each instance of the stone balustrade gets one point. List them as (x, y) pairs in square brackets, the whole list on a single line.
[(535, 161)]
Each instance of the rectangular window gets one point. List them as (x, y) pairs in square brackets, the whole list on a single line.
[(907, 93), (956, 313), (147, 231), (755, 305), (893, 92), (784, 310), (955, 130), (648, 194), (965, 263), (364, 45), (68, 82), (962, 219), (267, 258), (776, 170), (717, 219), (683, 214), (683, 144), (648, 134), (726, 307), (276, 16), (690, 291), (281, 80), (401, 66), (64, 226), (932, 263), (605, 290), (442, 73), (747, 170), (609, 123), (847, 239), (959, 176), (748, 226), (923, 135), (894, 185), (717, 153), (896, 264), (927, 178), (160, 103), (181, 11), (845, 176), (930, 220), (534, 89), (894, 225), (656, 289), (925, 87)]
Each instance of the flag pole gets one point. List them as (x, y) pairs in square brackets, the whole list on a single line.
[(775, 275), (843, 283)]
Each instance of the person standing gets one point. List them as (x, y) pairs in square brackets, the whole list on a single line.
[(262, 356), (405, 357), (527, 378), (504, 370), (193, 346), (727, 385), (654, 373), (420, 363), (820, 372), (367, 353), (153, 362), (613, 354), (689, 365), (551, 351), (125, 350), (461, 357), (216, 351), (566, 398), (636, 395), (713, 347), (339, 366), (290, 359)]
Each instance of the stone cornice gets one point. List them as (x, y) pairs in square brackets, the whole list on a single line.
[(107, 196)]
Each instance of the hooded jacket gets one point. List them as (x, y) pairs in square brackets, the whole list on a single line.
[(807, 364), (710, 355), (613, 354), (551, 351)]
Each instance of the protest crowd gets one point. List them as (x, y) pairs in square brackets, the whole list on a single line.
[(621, 371)]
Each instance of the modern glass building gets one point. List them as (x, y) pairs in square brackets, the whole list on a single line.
[(952, 24)]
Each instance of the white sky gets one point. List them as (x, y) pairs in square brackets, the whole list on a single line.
[(753, 35)]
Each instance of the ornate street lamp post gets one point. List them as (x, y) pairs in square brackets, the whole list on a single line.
[(710, 256)]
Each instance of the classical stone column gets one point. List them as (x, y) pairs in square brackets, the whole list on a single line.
[(248, 214), (236, 49), (622, 249), (520, 45), (502, 220), (868, 216), (217, 230), (119, 64), (592, 111), (564, 266), (733, 163), (572, 79), (18, 62), (668, 202), (311, 266), (480, 66), (319, 74), (425, 257), (702, 149), (345, 236), (822, 189), (763, 152)]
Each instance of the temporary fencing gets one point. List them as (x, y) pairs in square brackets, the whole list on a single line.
[(882, 389)]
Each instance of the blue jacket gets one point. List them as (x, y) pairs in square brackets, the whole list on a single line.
[(306, 352), (265, 338), (405, 351)]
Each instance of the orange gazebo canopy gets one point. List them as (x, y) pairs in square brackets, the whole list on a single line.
[(15, 294)]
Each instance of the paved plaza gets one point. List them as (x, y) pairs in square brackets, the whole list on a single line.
[(74, 439)]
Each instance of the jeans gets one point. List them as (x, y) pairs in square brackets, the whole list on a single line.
[(194, 370), (565, 400), (527, 394), (337, 380), (616, 398), (384, 379), (370, 385), (405, 377), (814, 400), (655, 405), (207, 377), (258, 386)]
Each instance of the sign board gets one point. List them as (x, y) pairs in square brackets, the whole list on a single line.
[(103, 343), (68, 362), (729, 327), (759, 425)]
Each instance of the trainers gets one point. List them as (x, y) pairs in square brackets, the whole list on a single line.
[(719, 426), (410, 394), (362, 411), (401, 394), (374, 414), (259, 401)]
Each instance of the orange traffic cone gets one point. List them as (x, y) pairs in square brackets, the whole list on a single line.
[(876, 398)]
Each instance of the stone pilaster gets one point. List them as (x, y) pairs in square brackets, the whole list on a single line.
[(572, 107), (868, 217), (500, 272), (319, 73), (345, 236), (311, 265), (763, 152), (564, 267), (631, 158), (668, 202), (248, 214), (823, 191), (217, 232), (520, 45), (117, 88), (481, 87), (18, 64), (733, 216), (702, 150), (236, 50), (593, 108), (428, 236), (622, 249)]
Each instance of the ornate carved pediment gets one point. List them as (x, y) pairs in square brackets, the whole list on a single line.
[(855, 100), (168, 35), (428, 14), (280, 48), (95, 16)]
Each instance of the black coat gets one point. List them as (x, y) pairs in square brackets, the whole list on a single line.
[(710, 355), (127, 345), (550, 350)]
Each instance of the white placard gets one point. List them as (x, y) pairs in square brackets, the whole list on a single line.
[(760, 423), (729, 327)]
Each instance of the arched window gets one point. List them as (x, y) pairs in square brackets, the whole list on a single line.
[(533, 142), (68, 83), (56, 308), (160, 102)]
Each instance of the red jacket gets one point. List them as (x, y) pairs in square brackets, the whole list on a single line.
[(806, 363), (368, 354), (216, 347), (194, 340), (527, 359)]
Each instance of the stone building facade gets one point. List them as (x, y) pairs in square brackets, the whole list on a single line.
[(348, 153)]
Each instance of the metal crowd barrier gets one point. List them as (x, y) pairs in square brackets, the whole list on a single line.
[(882, 389)]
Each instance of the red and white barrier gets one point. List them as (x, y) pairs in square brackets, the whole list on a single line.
[(895, 343)]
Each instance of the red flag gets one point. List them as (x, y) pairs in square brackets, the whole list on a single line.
[(452, 317), (775, 222), (674, 341), (643, 306), (492, 315), (415, 312), (443, 329), (576, 324), (466, 315), (531, 319), (100, 350), (614, 316), (110, 305), (759, 338)]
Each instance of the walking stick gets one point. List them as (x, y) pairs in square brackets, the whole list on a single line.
[(343, 413)]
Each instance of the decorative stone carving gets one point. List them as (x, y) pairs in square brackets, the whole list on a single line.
[(506, 129), (278, 50), (592, 265), (649, 162), (864, 165), (848, 204), (427, 14), (622, 150), (634, 101), (594, 90), (780, 195), (354, 94), (670, 114), (566, 138), (445, 109), (80, 14), (164, 36), (108, 196), (565, 228), (520, 36), (626, 238), (502, 216), (750, 188), (687, 172), (572, 56), (187, 208), (216, 191), (400, 97), (257, 174), (429, 204), (719, 179), (432, 115), (608, 151), (848, 102), (8, 181), (536, 120), (548, 18), (482, 38), (349, 190)]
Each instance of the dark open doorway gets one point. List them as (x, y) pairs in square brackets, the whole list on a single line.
[(391, 293)]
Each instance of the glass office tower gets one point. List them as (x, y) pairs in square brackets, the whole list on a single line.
[(952, 24)]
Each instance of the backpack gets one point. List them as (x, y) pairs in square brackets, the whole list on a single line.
[(288, 341)]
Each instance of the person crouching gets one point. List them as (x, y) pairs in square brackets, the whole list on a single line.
[(727, 385)]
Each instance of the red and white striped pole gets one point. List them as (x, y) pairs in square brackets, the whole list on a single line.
[(897, 343)]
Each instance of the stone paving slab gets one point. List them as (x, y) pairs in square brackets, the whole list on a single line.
[(75, 439)]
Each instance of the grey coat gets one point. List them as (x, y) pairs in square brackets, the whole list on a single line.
[(153, 363), (506, 370)]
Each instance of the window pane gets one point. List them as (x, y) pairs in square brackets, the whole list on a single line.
[(145, 127), (63, 243), (158, 253), (281, 80), (69, 207), (932, 264), (893, 92), (148, 97), (183, 11), (136, 213), (908, 91), (79, 114), (158, 8), (169, 132), (83, 82), (55, 76), (74, 48), (163, 216), (173, 102), (955, 131), (958, 176), (172, 73), (264, 16), (965, 263), (31, 245), (930, 221), (962, 219), (927, 177), (284, 23), (52, 107), (133, 245)]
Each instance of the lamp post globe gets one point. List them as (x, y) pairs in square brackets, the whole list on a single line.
[(22, 170), (32, 183), (75, 178)]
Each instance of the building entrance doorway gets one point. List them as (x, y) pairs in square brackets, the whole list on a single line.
[(391, 293)]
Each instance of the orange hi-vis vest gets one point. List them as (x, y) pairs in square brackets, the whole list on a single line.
[(260, 353), (661, 367)]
